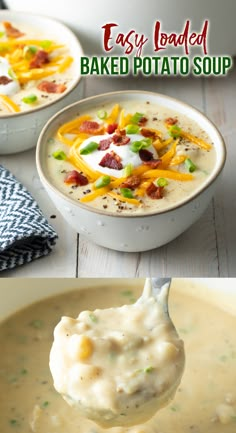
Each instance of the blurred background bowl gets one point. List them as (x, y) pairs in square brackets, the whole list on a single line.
[(20, 131)]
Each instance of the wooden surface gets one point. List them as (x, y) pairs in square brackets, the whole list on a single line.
[(208, 248)]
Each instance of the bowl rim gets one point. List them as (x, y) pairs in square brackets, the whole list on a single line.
[(11, 13), (84, 206)]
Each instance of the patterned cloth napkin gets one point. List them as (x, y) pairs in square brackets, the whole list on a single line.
[(25, 234)]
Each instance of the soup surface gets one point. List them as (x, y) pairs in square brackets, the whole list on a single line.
[(130, 158), (35, 69), (205, 401)]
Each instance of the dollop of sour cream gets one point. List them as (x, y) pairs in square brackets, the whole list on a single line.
[(13, 86), (124, 152)]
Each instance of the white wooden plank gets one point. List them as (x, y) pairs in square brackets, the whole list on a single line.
[(221, 108), (193, 253), (62, 261)]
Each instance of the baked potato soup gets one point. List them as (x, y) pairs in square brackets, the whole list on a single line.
[(35, 69), (205, 400), (130, 158)]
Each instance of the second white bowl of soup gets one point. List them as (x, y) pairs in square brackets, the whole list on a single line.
[(130, 170), (203, 312), (38, 76)]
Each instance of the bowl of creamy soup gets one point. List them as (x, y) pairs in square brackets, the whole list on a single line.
[(38, 76), (203, 312), (130, 170)]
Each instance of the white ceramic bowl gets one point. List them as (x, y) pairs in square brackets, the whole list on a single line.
[(20, 131), (87, 17), (132, 233)]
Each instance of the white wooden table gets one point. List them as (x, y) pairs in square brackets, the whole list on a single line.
[(208, 248)]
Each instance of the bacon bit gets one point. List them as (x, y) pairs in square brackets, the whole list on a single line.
[(5, 80), (50, 87), (111, 128), (145, 155), (131, 182), (146, 132), (171, 121), (90, 127), (11, 31), (153, 163), (105, 144), (120, 138), (142, 121), (155, 192), (76, 178), (111, 160), (41, 58)]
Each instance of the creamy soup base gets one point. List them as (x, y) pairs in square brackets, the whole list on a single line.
[(204, 403), (139, 183)]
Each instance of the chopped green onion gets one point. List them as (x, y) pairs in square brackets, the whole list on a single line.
[(23, 371), (148, 369), (30, 99), (136, 117), (11, 73), (191, 167), (89, 148), (45, 404), (136, 146), (45, 44), (31, 49), (132, 129), (174, 131), (2, 34), (93, 318), (60, 155), (126, 192), (37, 324), (162, 181), (13, 422), (102, 114), (127, 171), (102, 181)]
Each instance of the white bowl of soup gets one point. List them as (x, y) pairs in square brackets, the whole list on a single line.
[(38, 76), (130, 170), (203, 311)]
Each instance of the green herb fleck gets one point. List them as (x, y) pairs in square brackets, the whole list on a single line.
[(23, 371), (11, 73), (14, 422), (45, 404), (127, 293), (93, 317), (174, 131), (37, 324), (91, 147), (126, 192), (60, 155), (132, 129), (136, 146), (148, 369)]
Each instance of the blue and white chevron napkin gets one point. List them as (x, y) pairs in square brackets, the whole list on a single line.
[(25, 234)]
